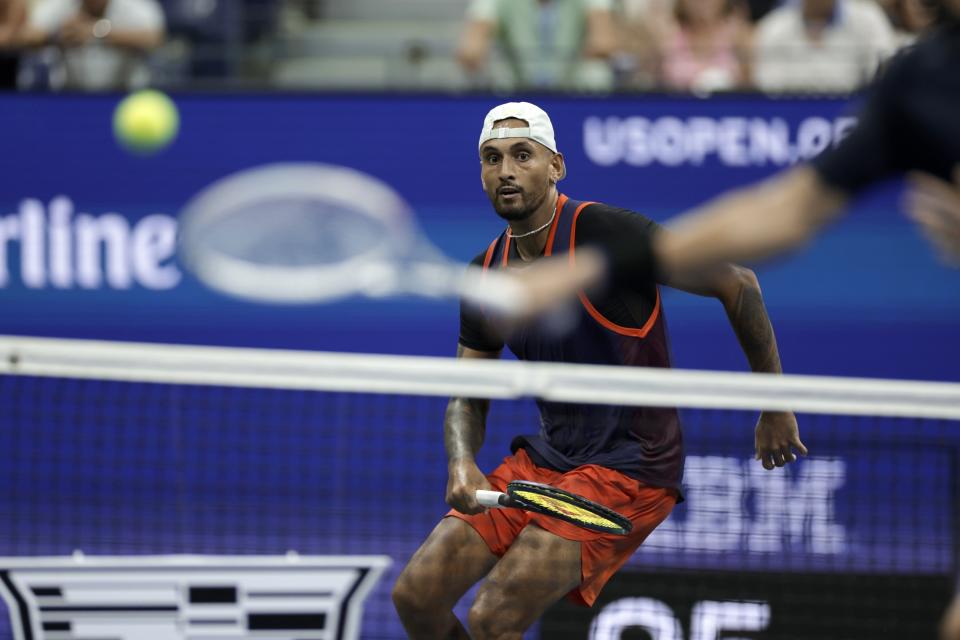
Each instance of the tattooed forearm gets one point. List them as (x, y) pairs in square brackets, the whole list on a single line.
[(464, 427), (749, 319), (464, 424)]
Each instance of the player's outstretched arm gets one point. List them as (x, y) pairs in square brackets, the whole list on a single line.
[(464, 427), (738, 289), (773, 217)]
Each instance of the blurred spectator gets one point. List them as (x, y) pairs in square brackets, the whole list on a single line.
[(563, 44), (910, 18), (758, 9), (100, 44), (643, 21), (311, 9), (821, 45), (705, 47), (13, 14), (219, 31)]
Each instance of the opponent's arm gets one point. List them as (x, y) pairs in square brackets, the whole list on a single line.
[(750, 224), (738, 289), (464, 427)]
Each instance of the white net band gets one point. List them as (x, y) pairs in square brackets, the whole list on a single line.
[(425, 376)]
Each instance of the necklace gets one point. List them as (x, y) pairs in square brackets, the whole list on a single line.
[(510, 233)]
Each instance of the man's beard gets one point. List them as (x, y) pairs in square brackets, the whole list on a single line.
[(513, 213)]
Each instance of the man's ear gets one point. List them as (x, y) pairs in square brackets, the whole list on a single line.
[(557, 168)]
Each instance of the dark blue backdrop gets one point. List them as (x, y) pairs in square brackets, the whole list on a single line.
[(866, 298)]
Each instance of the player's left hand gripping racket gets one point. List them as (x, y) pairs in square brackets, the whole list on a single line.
[(308, 233), (557, 503)]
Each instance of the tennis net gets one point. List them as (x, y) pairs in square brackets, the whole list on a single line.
[(122, 449)]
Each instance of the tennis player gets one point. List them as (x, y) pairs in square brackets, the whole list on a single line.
[(627, 459)]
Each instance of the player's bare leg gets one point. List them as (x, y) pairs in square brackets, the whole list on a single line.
[(539, 569), (452, 559)]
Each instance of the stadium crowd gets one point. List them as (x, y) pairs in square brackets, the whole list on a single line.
[(692, 45), (698, 46)]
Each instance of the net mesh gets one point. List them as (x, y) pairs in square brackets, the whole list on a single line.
[(856, 541)]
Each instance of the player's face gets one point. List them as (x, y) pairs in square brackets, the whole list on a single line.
[(517, 173)]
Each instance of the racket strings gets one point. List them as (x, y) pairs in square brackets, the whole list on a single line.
[(567, 509)]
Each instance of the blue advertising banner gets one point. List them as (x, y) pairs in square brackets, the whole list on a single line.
[(88, 231)]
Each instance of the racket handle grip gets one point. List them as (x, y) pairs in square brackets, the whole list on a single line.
[(492, 499)]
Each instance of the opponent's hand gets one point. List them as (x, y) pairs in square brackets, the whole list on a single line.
[(776, 435), (463, 480), (517, 296), (935, 206)]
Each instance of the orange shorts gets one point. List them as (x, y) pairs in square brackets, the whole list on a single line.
[(601, 554)]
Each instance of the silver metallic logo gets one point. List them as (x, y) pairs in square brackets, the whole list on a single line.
[(178, 597)]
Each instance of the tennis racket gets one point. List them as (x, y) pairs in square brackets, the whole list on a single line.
[(307, 233), (557, 503)]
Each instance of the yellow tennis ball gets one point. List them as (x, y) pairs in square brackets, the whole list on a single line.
[(146, 121)]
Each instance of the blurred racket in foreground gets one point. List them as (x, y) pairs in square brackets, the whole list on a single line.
[(309, 233), (557, 503)]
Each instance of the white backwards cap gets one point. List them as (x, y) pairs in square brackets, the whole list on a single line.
[(539, 128)]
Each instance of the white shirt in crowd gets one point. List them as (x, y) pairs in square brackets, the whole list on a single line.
[(98, 65), (845, 58), (542, 41)]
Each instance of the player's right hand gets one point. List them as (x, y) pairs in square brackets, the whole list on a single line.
[(463, 479), (777, 435)]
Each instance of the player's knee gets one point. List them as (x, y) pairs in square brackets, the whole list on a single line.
[(410, 597), (491, 617)]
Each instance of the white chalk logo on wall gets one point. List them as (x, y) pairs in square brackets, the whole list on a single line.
[(719, 490), (53, 246), (731, 141), (180, 597)]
